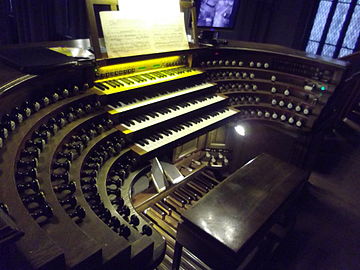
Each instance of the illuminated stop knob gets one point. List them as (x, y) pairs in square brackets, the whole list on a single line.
[(266, 65), (247, 86), (298, 108), (254, 87), (257, 99), (258, 64), (273, 90), (244, 75), (298, 123), (233, 63), (260, 113), (252, 76), (281, 103), (208, 63), (291, 120), (241, 63), (286, 92), (221, 62), (227, 62), (267, 114), (273, 102), (283, 117), (214, 63), (306, 111), (290, 106), (274, 116), (251, 64), (237, 75), (273, 78)]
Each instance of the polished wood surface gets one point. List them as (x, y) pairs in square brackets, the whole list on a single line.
[(223, 227)]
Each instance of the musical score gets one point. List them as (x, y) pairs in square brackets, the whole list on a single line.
[(126, 36)]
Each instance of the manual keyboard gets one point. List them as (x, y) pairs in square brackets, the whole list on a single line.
[(128, 105), (127, 82), (162, 138), (155, 117)]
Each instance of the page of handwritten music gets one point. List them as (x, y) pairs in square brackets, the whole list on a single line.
[(125, 35)]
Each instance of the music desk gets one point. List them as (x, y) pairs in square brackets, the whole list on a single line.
[(229, 222)]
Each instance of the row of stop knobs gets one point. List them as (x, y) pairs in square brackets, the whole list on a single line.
[(234, 63), (18, 114), (229, 87), (251, 99), (230, 74), (89, 174), (27, 171), (244, 114)]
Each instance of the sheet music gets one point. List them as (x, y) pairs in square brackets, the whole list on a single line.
[(150, 8), (126, 36)]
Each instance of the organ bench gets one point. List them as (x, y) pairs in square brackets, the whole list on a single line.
[(233, 218)]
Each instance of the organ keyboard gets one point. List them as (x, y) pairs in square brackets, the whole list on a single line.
[(123, 106), (124, 83), (155, 117), (138, 79), (75, 148), (176, 132)]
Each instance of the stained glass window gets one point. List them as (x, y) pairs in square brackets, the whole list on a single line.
[(335, 32), (354, 29), (337, 23), (320, 20), (312, 47)]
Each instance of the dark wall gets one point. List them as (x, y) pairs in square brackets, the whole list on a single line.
[(42, 20), (281, 22), (6, 18)]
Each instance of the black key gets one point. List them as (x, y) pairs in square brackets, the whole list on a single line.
[(141, 78), (111, 84), (134, 78), (116, 83), (120, 83), (142, 143), (126, 82), (101, 86), (167, 133), (138, 119)]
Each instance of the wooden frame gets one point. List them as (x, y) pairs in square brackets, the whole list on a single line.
[(94, 33)]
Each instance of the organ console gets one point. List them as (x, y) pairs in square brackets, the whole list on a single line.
[(76, 143)]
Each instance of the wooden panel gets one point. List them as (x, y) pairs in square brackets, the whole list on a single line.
[(232, 217)]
